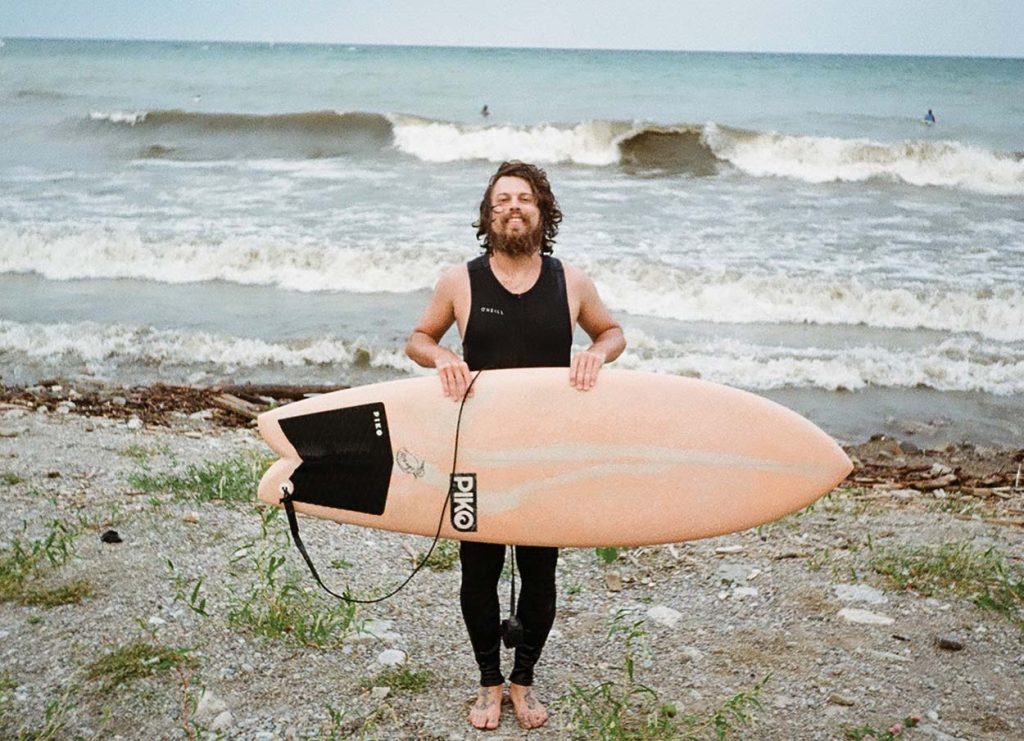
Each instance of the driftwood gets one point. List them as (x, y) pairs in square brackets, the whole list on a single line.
[(257, 392), (238, 406)]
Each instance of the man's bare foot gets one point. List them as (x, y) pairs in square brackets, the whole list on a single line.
[(529, 711), (486, 711)]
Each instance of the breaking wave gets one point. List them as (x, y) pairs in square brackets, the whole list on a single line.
[(684, 148)]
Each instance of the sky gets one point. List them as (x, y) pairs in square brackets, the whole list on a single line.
[(933, 27)]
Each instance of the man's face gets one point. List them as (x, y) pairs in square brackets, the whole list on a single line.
[(515, 225)]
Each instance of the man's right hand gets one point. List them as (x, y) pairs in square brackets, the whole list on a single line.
[(454, 374)]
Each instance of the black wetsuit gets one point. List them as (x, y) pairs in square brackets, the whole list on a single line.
[(508, 330)]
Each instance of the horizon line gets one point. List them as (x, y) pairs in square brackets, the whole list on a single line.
[(514, 48)]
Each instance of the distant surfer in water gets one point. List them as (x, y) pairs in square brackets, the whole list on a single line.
[(929, 117), (485, 111), (515, 306)]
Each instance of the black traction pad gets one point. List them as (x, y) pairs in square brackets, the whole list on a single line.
[(346, 458)]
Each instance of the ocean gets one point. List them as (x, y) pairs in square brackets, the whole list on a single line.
[(203, 213)]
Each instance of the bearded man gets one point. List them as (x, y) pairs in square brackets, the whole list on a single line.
[(515, 306)]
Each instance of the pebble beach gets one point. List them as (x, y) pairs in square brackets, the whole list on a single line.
[(792, 630)]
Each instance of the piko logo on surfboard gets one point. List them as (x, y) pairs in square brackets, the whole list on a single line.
[(463, 496)]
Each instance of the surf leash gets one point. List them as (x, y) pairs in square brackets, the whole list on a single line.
[(293, 524)]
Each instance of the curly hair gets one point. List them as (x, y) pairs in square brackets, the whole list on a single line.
[(550, 214)]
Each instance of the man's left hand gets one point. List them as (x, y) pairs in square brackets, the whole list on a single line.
[(584, 369)]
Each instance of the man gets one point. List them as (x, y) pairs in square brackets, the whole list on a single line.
[(515, 307)]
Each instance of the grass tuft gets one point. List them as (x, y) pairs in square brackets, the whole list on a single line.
[(134, 661), (626, 710), (10, 479), (400, 679), (444, 556), (275, 605), (983, 576), (232, 480), (25, 564)]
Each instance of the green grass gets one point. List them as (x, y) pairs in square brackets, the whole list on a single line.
[(25, 565), (10, 479), (625, 709), (444, 556), (234, 479), (134, 661), (400, 678), (983, 576), (275, 605)]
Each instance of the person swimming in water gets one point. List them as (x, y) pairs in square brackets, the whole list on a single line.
[(485, 111), (929, 117)]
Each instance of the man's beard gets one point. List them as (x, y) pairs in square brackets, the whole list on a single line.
[(521, 244)]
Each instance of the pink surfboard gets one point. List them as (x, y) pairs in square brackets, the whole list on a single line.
[(642, 458)]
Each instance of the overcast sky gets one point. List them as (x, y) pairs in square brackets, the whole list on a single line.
[(954, 27)]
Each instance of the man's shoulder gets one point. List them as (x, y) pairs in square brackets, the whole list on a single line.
[(574, 275), (453, 276)]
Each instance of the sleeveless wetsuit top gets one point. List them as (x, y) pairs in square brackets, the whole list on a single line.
[(524, 330)]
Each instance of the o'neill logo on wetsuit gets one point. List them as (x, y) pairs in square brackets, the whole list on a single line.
[(463, 495), (491, 310)]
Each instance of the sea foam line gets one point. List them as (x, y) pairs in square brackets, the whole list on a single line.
[(959, 364)]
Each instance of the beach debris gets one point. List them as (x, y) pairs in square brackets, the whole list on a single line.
[(239, 406), (111, 536), (949, 643), (613, 581), (836, 699)]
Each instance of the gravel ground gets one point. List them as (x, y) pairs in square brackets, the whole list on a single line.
[(780, 608)]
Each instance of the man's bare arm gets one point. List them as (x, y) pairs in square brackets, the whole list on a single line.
[(423, 344), (607, 339)]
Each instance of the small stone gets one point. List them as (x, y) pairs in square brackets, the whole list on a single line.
[(134, 424), (155, 620), (380, 693), (732, 573), (191, 518), (53, 474), (863, 617), (210, 706), (859, 593), (391, 657), (111, 536), (613, 581), (836, 699), (741, 592), (222, 722), (119, 401), (204, 414), (663, 615), (729, 549), (948, 643)]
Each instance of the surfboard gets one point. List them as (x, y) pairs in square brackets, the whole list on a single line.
[(642, 458)]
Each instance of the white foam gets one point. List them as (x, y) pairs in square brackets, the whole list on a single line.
[(587, 143), (107, 346), (642, 287), (103, 254), (958, 364), (827, 159), (122, 117)]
